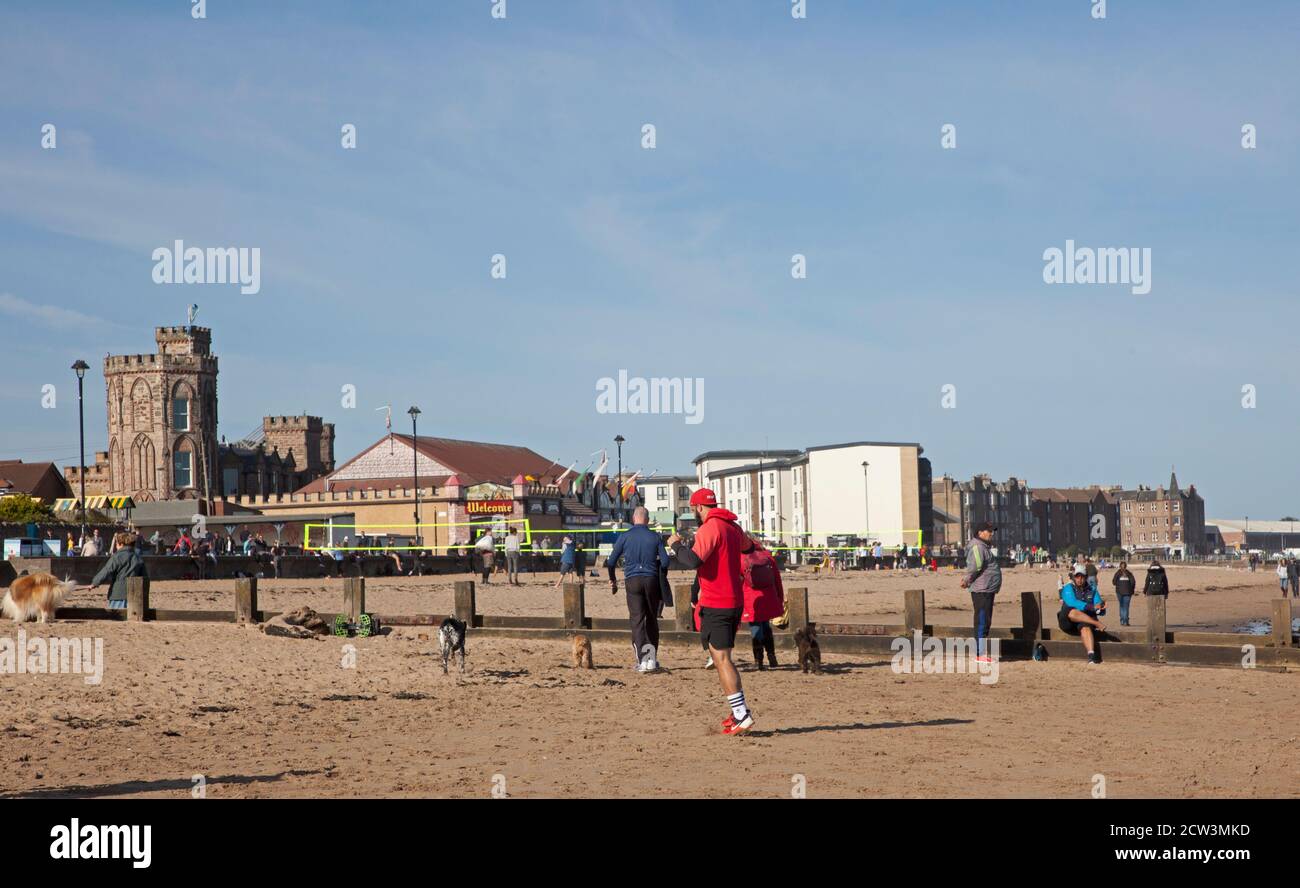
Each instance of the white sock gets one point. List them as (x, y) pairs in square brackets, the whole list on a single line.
[(737, 703)]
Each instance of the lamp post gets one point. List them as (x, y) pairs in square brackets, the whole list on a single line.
[(81, 367), (619, 439), (866, 500), (415, 474)]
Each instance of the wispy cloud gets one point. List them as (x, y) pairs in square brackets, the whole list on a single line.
[(51, 315)]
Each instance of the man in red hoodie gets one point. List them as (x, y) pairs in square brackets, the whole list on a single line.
[(716, 560)]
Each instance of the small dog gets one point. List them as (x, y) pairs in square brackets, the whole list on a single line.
[(451, 635), (35, 597), (582, 653), (810, 653)]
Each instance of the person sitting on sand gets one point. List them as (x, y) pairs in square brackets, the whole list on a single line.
[(1081, 604)]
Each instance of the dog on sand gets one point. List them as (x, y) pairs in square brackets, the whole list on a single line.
[(810, 653), (582, 652), (34, 597), (451, 637)]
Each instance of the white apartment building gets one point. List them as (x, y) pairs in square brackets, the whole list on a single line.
[(666, 495), (805, 496)]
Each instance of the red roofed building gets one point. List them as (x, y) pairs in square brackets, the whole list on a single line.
[(391, 463), (41, 480)]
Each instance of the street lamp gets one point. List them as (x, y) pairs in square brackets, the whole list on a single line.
[(415, 474), (866, 500), (81, 367), (619, 439)]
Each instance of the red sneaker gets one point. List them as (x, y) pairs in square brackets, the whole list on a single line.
[(731, 726)]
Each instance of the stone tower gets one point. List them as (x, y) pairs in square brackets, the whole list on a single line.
[(162, 418), (308, 439)]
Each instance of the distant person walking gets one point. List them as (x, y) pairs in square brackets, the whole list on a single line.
[(1125, 585), (512, 557), (567, 553), (1282, 575), (643, 555), (486, 548), (983, 579), (1293, 574)]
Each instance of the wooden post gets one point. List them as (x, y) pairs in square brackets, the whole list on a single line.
[(1031, 614), (796, 607), (246, 600), (914, 610), (137, 598), (1282, 622), (354, 597), (465, 604), (574, 606), (684, 610), (1156, 625)]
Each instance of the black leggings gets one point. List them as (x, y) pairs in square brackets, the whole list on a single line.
[(643, 612)]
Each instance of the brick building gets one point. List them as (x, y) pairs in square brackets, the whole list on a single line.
[(1163, 521), (960, 505), (1086, 517)]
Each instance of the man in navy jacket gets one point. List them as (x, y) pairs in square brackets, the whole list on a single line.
[(643, 554)]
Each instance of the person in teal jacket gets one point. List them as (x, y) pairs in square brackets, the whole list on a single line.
[(1081, 605)]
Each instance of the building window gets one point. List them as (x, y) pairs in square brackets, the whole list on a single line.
[(1175, 507), (684, 492), (181, 464), (181, 414), (661, 493), (728, 485), (771, 479)]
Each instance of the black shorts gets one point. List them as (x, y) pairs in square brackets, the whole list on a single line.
[(718, 626), (1067, 625)]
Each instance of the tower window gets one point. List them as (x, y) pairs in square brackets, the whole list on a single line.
[(182, 461), (181, 414)]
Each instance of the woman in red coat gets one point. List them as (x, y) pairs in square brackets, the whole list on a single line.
[(764, 597)]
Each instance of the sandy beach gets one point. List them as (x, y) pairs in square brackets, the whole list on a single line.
[(262, 716)]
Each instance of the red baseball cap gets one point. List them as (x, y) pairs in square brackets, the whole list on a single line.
[(704, 497)]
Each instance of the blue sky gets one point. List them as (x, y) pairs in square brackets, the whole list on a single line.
[(479, 136)]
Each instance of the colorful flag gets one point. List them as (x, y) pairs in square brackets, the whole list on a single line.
[(560, 480)]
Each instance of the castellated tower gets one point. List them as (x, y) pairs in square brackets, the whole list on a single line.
[(306, 438), (162, 418)]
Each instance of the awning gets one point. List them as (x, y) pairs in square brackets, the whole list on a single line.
[(109, 502), (94, 502)]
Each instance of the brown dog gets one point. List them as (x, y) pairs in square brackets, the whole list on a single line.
[(34, 597), (582, 653), (810, 653)]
